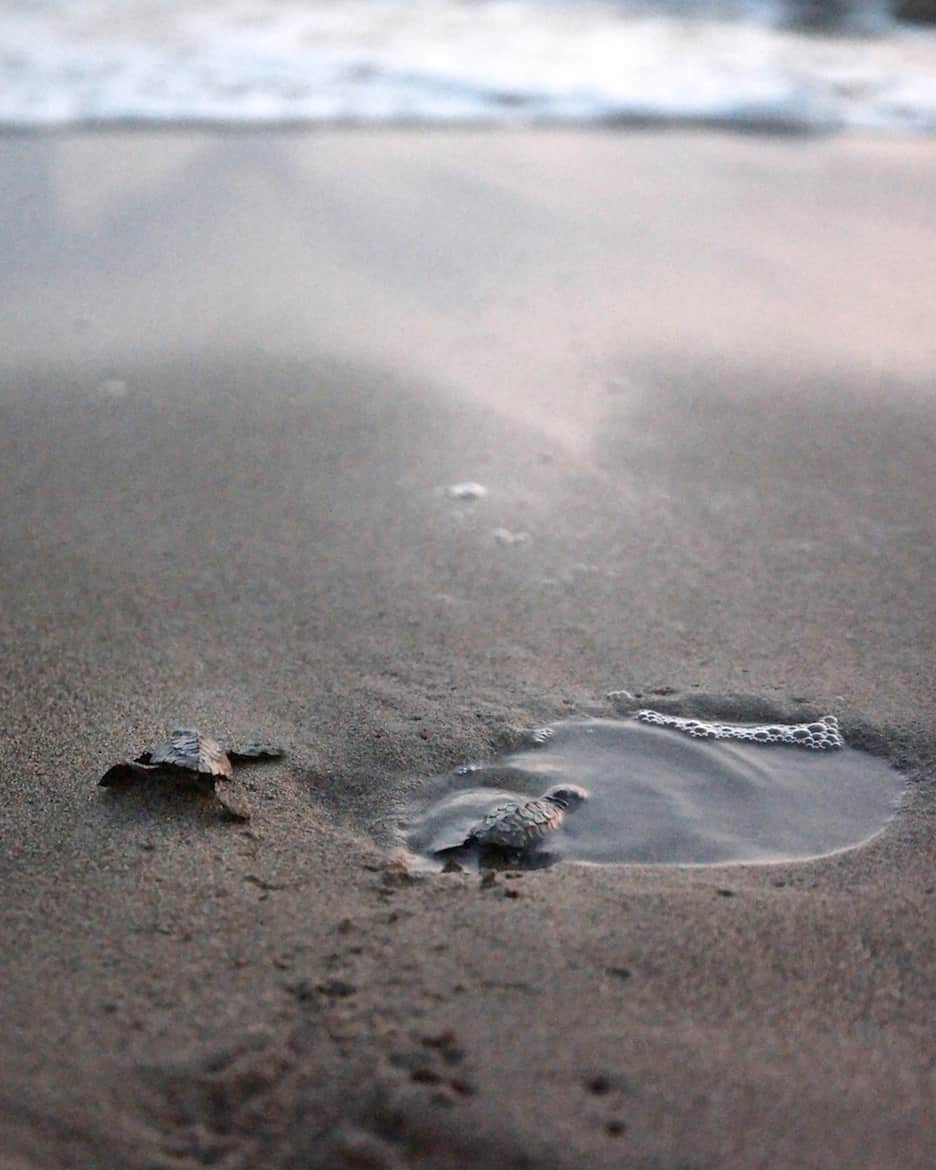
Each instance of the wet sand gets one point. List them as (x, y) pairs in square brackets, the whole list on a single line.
[(238, 373)]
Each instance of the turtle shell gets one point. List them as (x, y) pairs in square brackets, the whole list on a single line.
[(518, 826), (190, 750)]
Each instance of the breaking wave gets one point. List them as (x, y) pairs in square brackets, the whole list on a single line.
[(802, 64)]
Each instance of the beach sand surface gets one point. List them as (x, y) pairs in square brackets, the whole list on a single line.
[(237, 373)]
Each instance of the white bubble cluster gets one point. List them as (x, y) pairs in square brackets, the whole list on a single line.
[(821, 735), (466, 491), (540, 736)]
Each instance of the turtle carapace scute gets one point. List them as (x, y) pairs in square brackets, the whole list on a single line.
[(190, 750), (520, 826)]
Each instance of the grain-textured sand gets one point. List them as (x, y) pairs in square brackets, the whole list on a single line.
[(236, 374)]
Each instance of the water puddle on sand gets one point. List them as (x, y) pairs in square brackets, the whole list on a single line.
[(673, 795)]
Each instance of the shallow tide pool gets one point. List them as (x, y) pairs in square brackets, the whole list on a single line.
[(658, 795)]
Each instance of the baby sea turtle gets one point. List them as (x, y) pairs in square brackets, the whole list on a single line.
[(518, 827), (191, 758)]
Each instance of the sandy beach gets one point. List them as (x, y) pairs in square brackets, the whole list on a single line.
[(237, 374)]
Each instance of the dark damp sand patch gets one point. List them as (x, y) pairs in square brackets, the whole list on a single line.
[(658, 796)]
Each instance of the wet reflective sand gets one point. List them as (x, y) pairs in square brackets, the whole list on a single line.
[(238, 374)]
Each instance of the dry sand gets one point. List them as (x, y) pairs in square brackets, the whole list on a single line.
[(236, 374)]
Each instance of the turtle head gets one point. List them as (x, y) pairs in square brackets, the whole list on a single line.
[(566, 796)]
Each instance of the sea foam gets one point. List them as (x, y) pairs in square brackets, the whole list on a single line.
[(235, 62)]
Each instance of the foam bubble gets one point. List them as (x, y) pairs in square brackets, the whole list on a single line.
[(821, 735), (466, 491), (540, 736)]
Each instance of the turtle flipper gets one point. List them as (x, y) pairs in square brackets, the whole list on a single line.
[(253, 751), (232, 796), (123, 775)]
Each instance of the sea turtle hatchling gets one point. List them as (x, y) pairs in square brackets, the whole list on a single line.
[(196, 759), (518, 827)]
